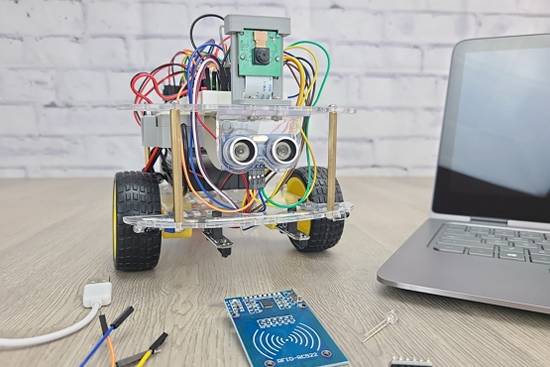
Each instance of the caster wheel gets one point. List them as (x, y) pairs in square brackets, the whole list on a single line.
[(135, 193), (323, 233)]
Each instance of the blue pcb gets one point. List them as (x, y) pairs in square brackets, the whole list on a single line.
[(279, 329)]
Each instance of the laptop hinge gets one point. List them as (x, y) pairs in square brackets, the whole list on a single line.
[(488, 220)]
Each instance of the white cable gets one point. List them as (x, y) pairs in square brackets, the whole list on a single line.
[(10, 343), (196, 84), (95, 296)]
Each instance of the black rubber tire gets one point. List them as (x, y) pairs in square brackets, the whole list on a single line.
[(136, 193), (324, 233)]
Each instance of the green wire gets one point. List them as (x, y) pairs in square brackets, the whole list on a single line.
[(306, 125), (327, 70)]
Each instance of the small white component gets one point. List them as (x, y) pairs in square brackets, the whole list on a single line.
[(97, 294), (214, 97), (258, 87), (390, 319), (410, 362)]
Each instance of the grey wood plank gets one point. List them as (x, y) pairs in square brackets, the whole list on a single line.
[(56, 236)]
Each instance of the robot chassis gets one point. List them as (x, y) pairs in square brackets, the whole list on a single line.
[(257, 133)]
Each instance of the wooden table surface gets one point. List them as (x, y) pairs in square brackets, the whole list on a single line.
[(56, 236)]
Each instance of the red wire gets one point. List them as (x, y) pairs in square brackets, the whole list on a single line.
[(150, 77), (152, 158), (144, 96), (227, 177)]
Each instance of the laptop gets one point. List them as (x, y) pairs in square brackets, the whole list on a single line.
[(487, 238)]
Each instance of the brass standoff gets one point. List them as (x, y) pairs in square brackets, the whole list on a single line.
[(332, 134), (146, 152), (177, 186)]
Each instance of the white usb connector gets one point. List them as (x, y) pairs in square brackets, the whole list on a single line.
[(96, 295)]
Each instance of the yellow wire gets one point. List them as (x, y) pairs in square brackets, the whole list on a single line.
[(187, 53), (144, 359), (314, 161), (112, 356), (302, 85), (299, 102), (315, 63), (201, 199)]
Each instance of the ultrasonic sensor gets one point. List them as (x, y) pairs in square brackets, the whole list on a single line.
[(243, 151), (284, 150)]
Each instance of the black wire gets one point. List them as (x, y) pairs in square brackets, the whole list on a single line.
[(312, 93), (165, 166), (226, 76), (196, 21)]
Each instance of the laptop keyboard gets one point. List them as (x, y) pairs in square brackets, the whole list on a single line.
[(495, 242)]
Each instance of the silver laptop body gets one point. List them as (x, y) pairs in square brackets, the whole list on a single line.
[(488, 236)]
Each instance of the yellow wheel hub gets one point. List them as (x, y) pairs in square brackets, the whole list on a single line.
[(297, 187)]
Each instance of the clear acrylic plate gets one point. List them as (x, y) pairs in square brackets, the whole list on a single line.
[(239, 109), (197, 215)]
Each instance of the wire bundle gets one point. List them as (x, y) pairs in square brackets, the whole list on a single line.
[(305, 73), (205, 68), (106, 331)]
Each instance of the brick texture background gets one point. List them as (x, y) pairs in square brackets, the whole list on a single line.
[(64, 64)]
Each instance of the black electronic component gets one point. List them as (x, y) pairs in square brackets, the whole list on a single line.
[(103, 324), (266, 303), (128, 361), (170, 90), (157, 343), (122, 317), (261, 56)]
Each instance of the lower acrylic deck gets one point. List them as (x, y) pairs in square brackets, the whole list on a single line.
[(198, 215)]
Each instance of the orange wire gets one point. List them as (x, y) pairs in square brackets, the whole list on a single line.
[(112, 356), (201, 199)]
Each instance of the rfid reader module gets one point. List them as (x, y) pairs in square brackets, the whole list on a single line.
[(279, 329)]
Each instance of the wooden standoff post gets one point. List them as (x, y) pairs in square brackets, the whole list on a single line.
[(177, 178), (332, 133)]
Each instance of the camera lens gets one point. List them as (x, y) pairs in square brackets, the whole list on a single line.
[(242, 151), (261, 56), (284, 150)]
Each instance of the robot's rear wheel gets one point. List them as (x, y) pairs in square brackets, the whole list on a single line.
[(135, 193), (323, 233)]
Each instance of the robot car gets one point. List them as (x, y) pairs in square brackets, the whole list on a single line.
[(224, 144)]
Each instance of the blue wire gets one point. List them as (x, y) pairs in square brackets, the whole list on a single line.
[(195, 56), (263, 201), (194, 172), (96, 346)]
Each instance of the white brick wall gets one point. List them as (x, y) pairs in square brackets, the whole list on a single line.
[(63, 63)]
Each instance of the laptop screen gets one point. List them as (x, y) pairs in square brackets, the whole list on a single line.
[(494, 158)]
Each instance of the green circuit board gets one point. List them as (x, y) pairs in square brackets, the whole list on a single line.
[(247, 44)]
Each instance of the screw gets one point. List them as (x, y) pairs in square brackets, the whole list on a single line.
[(242, 57), (326, 353), (269, 363)]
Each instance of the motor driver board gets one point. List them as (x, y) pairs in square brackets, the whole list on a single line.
[(280, 329)]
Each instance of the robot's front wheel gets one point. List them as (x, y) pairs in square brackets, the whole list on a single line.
[(323, 233), (135, 193)]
